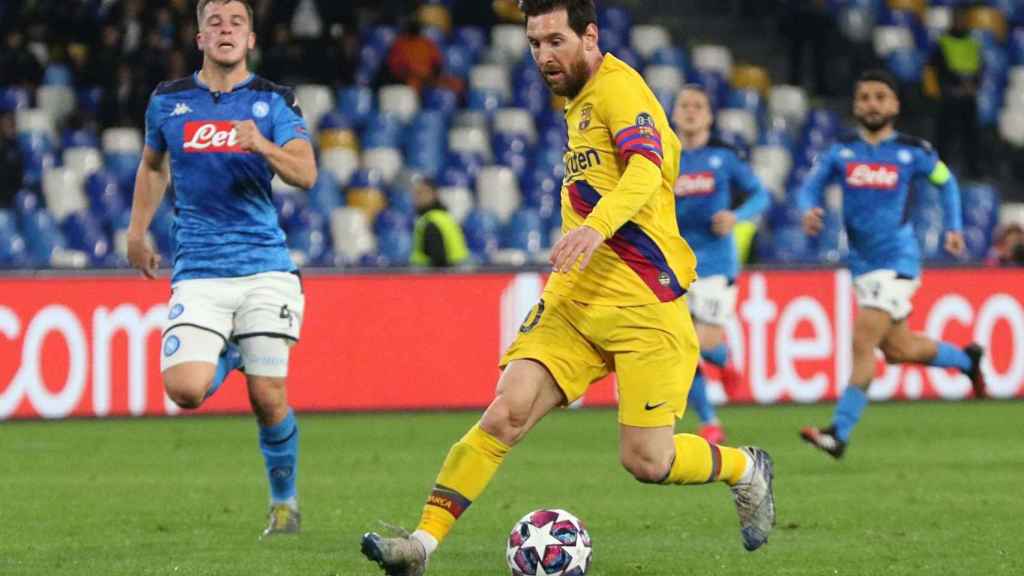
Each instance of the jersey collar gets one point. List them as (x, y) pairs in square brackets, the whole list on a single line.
[(242, 84)]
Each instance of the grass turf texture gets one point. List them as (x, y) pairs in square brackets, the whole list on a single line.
[(925, 489)]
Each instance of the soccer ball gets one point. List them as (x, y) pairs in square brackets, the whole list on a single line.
[(549, 543)]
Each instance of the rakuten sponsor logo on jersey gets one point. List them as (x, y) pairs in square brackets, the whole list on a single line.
[(874, 176), (696, 184), (211, 136), (579, 161)]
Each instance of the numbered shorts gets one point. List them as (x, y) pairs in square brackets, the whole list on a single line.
[(262, 313), (652, 349), (888, 291), (712, 300)]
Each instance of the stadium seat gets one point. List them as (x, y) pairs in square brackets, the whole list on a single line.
[(747, 78), (889, 39), (485, 101), (351, 234), (906, 64), (498, 191), (670, 56), (356, 102), (491, 78), (458, 200), (81, 137), (341, 163), (381, 131), (380, 37), (62, 189), (83, 160), (315, 101), (738, 121), (647, 39), (987, 19), (481, 231), (325, 195), (386, 161), (515, 121), (441, 100), (58, 101), (664, 78), (400, 100), (1011, 127), (614, 18), (458, 61), (14, 98), (473, 38), (366, 192), (856, 23), (106, 201), (471, 140), (35, 121), (510, 41), (435, 15), (938, 20), (788, 102), (713, 58), (772, 164), (83, 232), (524, 231)]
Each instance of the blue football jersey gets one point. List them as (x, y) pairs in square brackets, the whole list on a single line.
[(225, 222), (707, 178), (876, 183)]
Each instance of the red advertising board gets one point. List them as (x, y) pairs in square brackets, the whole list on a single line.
[(89, 347)]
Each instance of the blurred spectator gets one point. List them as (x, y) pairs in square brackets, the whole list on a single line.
[(10, 161), (414, 59), (807, 26), (124, 104), (957, 60), (282, 59), (18, 65), (1008, 247), (437, 239)]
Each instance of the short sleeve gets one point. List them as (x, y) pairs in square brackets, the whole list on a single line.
[(288, 121), (629, 114), (154, 123)]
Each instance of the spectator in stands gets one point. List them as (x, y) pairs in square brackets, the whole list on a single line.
[(958, 62), (1008, 247), (17, 63), (10, 161), (437, 240), (807, 25), (414, 59)]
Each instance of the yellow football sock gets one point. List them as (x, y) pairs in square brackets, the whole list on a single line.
[(469, 467), (699, 462)]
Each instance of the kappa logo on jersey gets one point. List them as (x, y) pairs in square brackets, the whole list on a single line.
[(180, 109), (211, 136), (696, 184), (874, 176)]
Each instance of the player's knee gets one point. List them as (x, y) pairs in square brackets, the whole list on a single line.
[(896, 353), (645, 467), (505, 424), (268, 398), (187, 392), (863, 345)]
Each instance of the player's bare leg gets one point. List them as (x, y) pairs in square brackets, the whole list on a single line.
[(870, 329), (187, 383), (526, 393), (279, 443), (902, 346), (711, 429)]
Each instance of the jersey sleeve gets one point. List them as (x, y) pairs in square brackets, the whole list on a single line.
[(810, 193), (288, 121), (758, 197), (154, 135), (629, 114)]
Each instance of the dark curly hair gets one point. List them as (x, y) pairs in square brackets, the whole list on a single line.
[(880, 75), (582, 13)]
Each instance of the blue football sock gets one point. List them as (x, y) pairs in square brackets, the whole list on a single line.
[(851, 405), (280, 446), (950, 356), (698, 398), (229, 360), (719, 355)]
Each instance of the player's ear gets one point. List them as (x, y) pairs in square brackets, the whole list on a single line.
[(590, 37), (251, 42)]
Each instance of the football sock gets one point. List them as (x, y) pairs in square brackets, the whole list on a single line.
[(718, 356), (469, 467), (851, 405), (949, 356), (700, 462), (229, 360), (698, 398), (280, 446)]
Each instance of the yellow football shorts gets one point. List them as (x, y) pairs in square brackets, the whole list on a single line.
[(652, 349)]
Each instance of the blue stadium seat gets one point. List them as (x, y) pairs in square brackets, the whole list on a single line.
[(671, 56), (123, 165), (334, 120), (84, 138), (42, 236), (615, 18), (524, 231), (790, 245), (486, 101), (401, 200), (472, 40), (629, 56), (906, 65), (370, 61), (1016, 45), (441, 100), (356, 102), (458, 60), (746, 100), (394, 246), (392, 219), (467, 163), (89, 98), (716, 86), (57, 74), (26, 202), (308, 233), (435, 34), (13, 251), (8, 222), (612, 41), (381, 131), (326, 193), (83, 232), (380, 37), (534, 98), (481, 231), (106, 202), (14, 98)]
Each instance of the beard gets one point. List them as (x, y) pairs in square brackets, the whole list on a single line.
[(572, 81), (876, 123)]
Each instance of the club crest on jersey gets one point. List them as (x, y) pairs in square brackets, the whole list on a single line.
[(203, 136), (260, 109), (872, 176), (585, 113), (696, 184)]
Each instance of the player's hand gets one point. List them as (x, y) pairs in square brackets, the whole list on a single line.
[(722, 222), (955, 243), (249, 137), (142, 256), (814, 221), (579, 242)]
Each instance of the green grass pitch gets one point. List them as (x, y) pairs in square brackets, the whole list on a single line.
[(926, 489)]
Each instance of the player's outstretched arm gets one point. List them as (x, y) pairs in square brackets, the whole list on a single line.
[(952, 210), (809, 196), (294, 162), (151, 180)]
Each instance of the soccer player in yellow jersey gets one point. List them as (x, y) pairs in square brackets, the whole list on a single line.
[(615, 302)]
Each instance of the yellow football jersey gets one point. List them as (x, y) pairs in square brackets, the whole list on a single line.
[(644, 261)]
